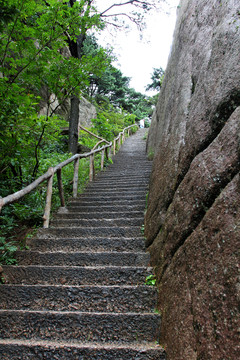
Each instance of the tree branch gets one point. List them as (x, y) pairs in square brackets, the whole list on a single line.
[(133, 2)]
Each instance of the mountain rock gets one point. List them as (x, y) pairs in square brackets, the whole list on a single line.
[(192, 220)]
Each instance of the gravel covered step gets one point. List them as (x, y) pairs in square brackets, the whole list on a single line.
[(76, 275), (49, 350), (84, 244), (76, 298), (125, 231), (64, 221), (82, 259), (80, 326)]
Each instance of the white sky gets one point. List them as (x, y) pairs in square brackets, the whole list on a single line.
[(137, 57)]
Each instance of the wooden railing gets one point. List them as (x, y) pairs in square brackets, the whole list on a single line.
[(105, 150)]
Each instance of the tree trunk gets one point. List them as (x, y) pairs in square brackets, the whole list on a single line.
[(73, 125)]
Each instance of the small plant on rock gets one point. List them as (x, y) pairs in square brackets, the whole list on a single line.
[(150, 280)]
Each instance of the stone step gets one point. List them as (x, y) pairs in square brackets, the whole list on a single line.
[(140, 191), (67, 213), (76, 275), (119, 177), (70, 221), (49, 350), (118, 166), (115, 191), (113, 185), (107, 201), (139, 177), (84, 244), (79, 326), (109, 198), (118, 299), (130, 184), (82, 258), (124, 171), (74, 232), (75, 207)]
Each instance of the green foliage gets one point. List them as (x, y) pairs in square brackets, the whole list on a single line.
[(150, 154), (150, 280), (7, 251), (146, 200), (145, 136), (112, 87), (157, 79), (32, 59)]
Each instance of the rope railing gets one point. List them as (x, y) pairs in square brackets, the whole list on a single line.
[(48, 176)]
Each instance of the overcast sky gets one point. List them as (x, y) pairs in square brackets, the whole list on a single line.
[(137, 57)]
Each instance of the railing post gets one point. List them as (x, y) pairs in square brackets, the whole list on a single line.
[(46, 216), (106, 153), (75, 178), (119, 141), (91, 167), (110, 153), (128, 131), (60, 187), (114, 147), (102, 159)]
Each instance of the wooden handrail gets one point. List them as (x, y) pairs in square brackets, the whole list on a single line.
[(58, 169), (92, 134)]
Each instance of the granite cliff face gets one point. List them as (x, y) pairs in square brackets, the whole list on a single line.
[(193, 220), (87, 111)]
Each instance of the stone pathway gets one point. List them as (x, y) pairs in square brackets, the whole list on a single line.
[(79, 292)]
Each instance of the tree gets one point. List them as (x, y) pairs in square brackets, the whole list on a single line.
[(31, 59), (157, 79)]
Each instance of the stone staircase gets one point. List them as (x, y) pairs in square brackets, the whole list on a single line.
[(79, 292)]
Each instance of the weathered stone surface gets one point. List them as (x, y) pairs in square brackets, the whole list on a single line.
[(79, 326), (87, 111), (108, 299), (208, 174), (198, 295), (50, 350), (192, 225), (199, 94)]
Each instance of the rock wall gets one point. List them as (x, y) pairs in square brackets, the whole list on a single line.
[(87, 111), (193, 220)]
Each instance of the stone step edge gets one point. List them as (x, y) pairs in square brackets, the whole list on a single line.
[(75, 313), (80, 252), (97, 267), (96, 220), (108, 287), (137, 238), (134, 227), (79, 345)]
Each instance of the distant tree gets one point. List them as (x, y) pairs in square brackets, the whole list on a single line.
[(157, 79)]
